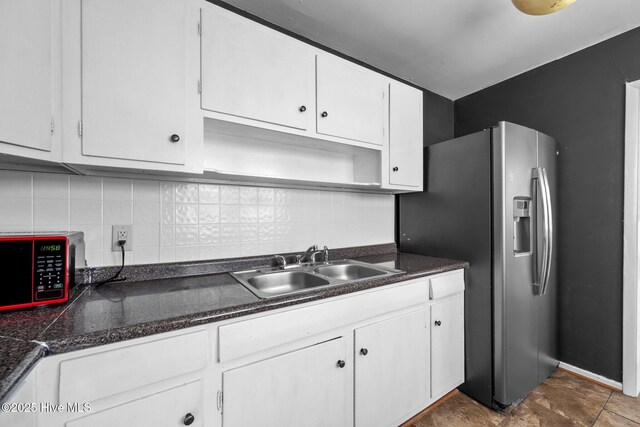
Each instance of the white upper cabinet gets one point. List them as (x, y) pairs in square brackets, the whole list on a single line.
[(404, 166), (130, 72), (254, 72), (286, 111), (350, 100), (189, 87), (30, 78), (133, 79)]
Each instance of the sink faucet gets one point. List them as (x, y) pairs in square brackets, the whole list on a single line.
[(281, 261), (307, 254), (311, 253), (324, 252)]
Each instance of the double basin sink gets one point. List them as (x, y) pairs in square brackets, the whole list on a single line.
[(269, 283)]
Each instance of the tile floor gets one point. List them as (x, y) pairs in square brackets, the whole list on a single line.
[(562, 400)]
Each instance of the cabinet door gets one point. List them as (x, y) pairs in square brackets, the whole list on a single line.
[(254, 72), (133, 79), (24, 395), (302, 388), (350, 100), (405, 135), (167, 408), (27, 40), (447, 345), (391, 362)]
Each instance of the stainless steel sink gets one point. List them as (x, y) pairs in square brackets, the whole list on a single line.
[(349, 271), (286, 282), (272, 282)]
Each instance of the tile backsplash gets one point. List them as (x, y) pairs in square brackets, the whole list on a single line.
[(178, 221)]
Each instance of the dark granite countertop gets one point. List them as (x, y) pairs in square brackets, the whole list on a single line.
[(126, 310), (17, 357)]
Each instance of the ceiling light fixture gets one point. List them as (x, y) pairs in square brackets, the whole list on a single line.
[(540, 7)]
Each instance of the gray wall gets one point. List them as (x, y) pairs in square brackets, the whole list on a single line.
[(579, 100), (438, 118)]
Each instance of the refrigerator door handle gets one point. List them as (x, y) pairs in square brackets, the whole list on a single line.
[(548, 229), (534, 232), (541, 182)]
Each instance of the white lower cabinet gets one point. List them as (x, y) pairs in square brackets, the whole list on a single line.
[(275, 374), (179, 406), (391, 361), (447, 345), (152, 381), (371, 358), (307, 387), (18, 415)]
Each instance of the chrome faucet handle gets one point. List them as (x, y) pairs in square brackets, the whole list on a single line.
[(281, 261), (314, 254), (326, 254), (306, 254)]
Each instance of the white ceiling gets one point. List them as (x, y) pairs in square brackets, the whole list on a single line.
[(451, 47)]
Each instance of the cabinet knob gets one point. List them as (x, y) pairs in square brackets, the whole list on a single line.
[(188, 419), (175, 138), (395, 169), (341, 364), (302, 108), (364, 351), (437, 323), (324, 114)]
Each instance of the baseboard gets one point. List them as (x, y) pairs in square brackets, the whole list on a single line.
[(616, 385)]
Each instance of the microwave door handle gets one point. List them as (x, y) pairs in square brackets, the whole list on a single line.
[(548, 231)]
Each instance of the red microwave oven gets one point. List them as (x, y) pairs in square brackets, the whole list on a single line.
[(39, 269)]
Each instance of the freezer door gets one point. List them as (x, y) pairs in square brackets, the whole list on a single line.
[(547, 302), (515, 296)]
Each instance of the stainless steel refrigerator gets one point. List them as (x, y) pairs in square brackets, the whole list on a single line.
[(490, 198)]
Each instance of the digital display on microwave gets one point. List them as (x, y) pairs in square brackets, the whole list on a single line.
[(50, 248)]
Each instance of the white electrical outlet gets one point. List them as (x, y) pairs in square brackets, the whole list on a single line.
[(121, 232)]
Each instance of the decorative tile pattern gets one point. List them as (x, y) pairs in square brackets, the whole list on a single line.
[(248, 196), (186, 193), (229, 195), (209, 235), (178, 221), (209, 194), (186, 213)]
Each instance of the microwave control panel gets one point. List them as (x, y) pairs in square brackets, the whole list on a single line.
[(49, 271)]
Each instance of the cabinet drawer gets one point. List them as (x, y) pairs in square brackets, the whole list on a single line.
[(251, 336), (95, 376), (167, 408), (446, 284)]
